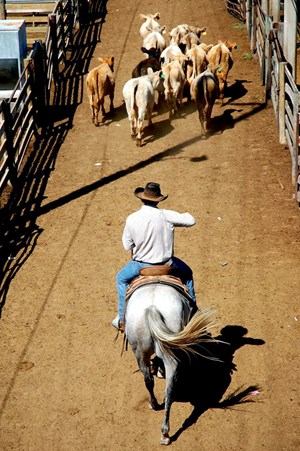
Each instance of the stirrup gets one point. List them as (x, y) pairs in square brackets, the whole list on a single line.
[(121, 326), (118, 324)]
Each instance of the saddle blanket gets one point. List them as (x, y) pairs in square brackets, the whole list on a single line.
[(164, 279)]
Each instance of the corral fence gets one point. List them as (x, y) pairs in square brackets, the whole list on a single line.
[(22, 113), (265, 24)]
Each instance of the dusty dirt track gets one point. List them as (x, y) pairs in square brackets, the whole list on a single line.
[(64, 385)]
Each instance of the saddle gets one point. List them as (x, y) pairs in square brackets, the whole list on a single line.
[(157, 270), (158, 274)]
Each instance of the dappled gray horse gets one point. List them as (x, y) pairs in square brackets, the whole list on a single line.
[(159, 321)]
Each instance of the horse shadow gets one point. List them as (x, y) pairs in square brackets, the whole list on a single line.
[(203, 381)]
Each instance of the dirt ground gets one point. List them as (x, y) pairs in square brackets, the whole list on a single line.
[(64, 384)]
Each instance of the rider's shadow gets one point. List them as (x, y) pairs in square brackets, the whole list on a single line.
[(203, 382)]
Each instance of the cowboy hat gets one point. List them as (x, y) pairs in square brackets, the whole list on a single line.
[(151, 192)]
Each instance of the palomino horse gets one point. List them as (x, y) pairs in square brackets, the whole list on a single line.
[(158, 321)]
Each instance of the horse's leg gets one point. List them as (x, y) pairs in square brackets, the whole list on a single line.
[(165, 427), (143, 361), (149, 382)]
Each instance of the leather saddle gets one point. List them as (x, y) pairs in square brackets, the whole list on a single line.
[(157, 274)]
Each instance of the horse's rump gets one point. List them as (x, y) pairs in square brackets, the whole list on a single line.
[(156, 282), (154, 278), (170, 302)]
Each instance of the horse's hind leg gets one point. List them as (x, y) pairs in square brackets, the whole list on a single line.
[(144, 365), (165, 427)]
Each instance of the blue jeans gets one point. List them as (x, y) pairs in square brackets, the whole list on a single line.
[(132, 270)]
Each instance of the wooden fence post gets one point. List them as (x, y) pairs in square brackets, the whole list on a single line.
[(249, 11), (12, 169), (281, 104), (265, 6), (39, 76), (267, 57), (298, 164), (70, 19), (253, 25), (83, 11), (275, 10), (53, 35), (290, 33), (2, 10), (35, 86), (295, 150)]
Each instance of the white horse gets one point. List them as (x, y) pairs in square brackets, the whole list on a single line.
[(159, 321)]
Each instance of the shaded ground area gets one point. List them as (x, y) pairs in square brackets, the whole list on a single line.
[(64, 383)]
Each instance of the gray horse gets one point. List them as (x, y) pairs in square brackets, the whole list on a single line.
[(159, 321)]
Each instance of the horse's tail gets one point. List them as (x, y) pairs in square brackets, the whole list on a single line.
[(195, 333)]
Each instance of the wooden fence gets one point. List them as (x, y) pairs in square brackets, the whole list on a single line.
[(18, 126), (276, 75), (59, 37), (21, 115)]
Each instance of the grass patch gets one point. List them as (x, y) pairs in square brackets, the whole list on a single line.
[(239, 26), (247, 56)]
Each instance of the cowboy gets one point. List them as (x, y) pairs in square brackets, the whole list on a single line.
[(149, 235)]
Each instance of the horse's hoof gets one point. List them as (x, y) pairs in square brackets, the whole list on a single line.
[(153, 405), (165, 440), (159, 374), (138, 142)]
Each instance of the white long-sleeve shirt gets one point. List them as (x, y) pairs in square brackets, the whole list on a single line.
[(149, 233)]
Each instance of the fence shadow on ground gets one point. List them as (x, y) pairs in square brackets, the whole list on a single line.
[(19, 230)]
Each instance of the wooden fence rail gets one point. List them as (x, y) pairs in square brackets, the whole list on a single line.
[(291, 109), (6, 163), (19, 125)]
